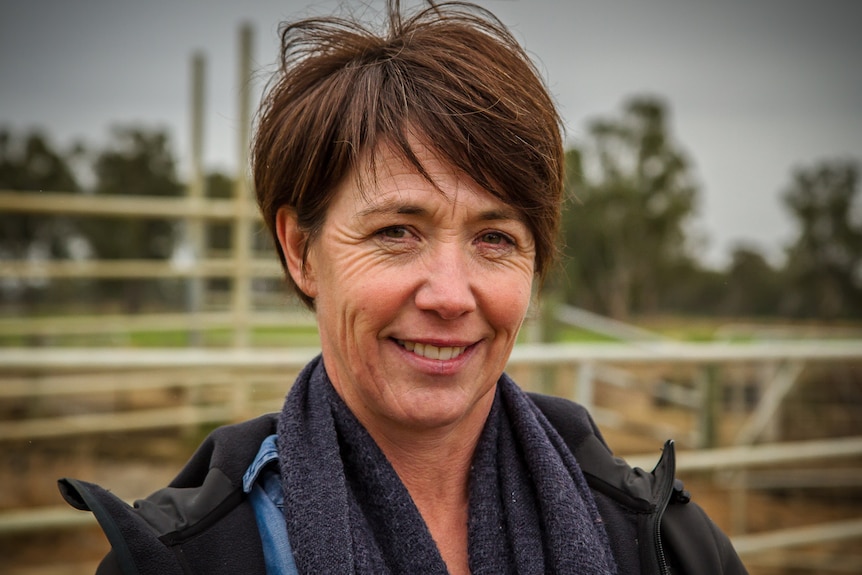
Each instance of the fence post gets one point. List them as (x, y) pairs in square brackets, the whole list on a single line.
[(586, 381), (776, 383), (242, 252), (739, 502), (711, 399), (194, 224)]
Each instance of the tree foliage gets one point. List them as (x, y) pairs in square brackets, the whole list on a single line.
[(625, 232), (627, 245), (137, 162), (219, 185), (30, 163), (752, 287), (824, 264)]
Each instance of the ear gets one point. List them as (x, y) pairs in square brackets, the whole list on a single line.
[(293, 241)]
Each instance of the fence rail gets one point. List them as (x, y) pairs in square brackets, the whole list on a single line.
[(109, 323), (522, 354), (135, 207), (135, 269), (34, 374), (45, 372)]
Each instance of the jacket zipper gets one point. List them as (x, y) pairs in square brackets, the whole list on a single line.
[(668, 460)]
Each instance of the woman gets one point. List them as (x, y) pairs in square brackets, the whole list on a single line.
[(412, 183)]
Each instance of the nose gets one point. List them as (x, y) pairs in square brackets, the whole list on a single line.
[(448, 286)]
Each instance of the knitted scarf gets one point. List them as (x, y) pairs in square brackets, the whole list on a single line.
[(347, 511)]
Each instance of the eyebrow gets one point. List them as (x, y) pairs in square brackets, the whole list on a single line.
[(497, 215), (394, 207), (385, 208)]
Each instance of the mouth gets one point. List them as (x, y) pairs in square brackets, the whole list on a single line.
[(431, 351)]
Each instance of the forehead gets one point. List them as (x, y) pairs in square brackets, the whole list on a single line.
[(388, 181)]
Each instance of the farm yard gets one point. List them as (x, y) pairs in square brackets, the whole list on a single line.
[(142, 304)]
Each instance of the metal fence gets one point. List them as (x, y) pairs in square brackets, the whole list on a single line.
[(191, 212), (247, 381), (250, 381)]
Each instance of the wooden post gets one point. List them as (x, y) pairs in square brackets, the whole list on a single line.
[(710, 389), (586, 381), (777, 378), (242, 251), (194, 224), (739, 502), (776, 383)]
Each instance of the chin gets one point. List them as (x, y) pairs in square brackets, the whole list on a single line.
[(439, 410)]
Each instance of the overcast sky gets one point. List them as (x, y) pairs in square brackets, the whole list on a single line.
[(755, 88)]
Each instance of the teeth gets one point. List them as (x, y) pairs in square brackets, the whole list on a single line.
[(431, 351)]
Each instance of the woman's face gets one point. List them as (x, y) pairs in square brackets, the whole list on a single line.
[(419, 294)]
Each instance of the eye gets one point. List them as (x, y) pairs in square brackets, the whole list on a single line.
[(495, 238), (397, 239), (394, 233)]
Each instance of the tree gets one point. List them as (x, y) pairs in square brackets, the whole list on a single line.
[(139, 163), (824, 264), (219, 185), (136, 162), (30, 163), (753, 286), (625, 233)]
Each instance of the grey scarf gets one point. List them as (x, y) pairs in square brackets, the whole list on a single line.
[(347, 511)]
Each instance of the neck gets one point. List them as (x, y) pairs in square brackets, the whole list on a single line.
[(436, 473), (433, 466), (431, 460)]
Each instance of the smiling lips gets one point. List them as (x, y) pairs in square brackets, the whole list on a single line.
[(432, 351)]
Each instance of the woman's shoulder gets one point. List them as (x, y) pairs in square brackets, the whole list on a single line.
[(230, 449), (201, 512), (604, 472), (625, 495)]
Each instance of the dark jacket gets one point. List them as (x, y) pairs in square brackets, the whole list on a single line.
[(203, 523)]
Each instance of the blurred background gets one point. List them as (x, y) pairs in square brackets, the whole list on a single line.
[(710, 286)]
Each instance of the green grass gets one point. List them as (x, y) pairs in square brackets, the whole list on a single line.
[(286, 336), (568, 334), (680, 328)]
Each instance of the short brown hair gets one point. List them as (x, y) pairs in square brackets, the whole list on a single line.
[(450, 73)]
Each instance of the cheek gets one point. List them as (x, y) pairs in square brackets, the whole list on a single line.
[(507, 302), (360, 294)]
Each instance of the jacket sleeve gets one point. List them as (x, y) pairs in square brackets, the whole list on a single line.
[(133, 541), (694, 544)]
